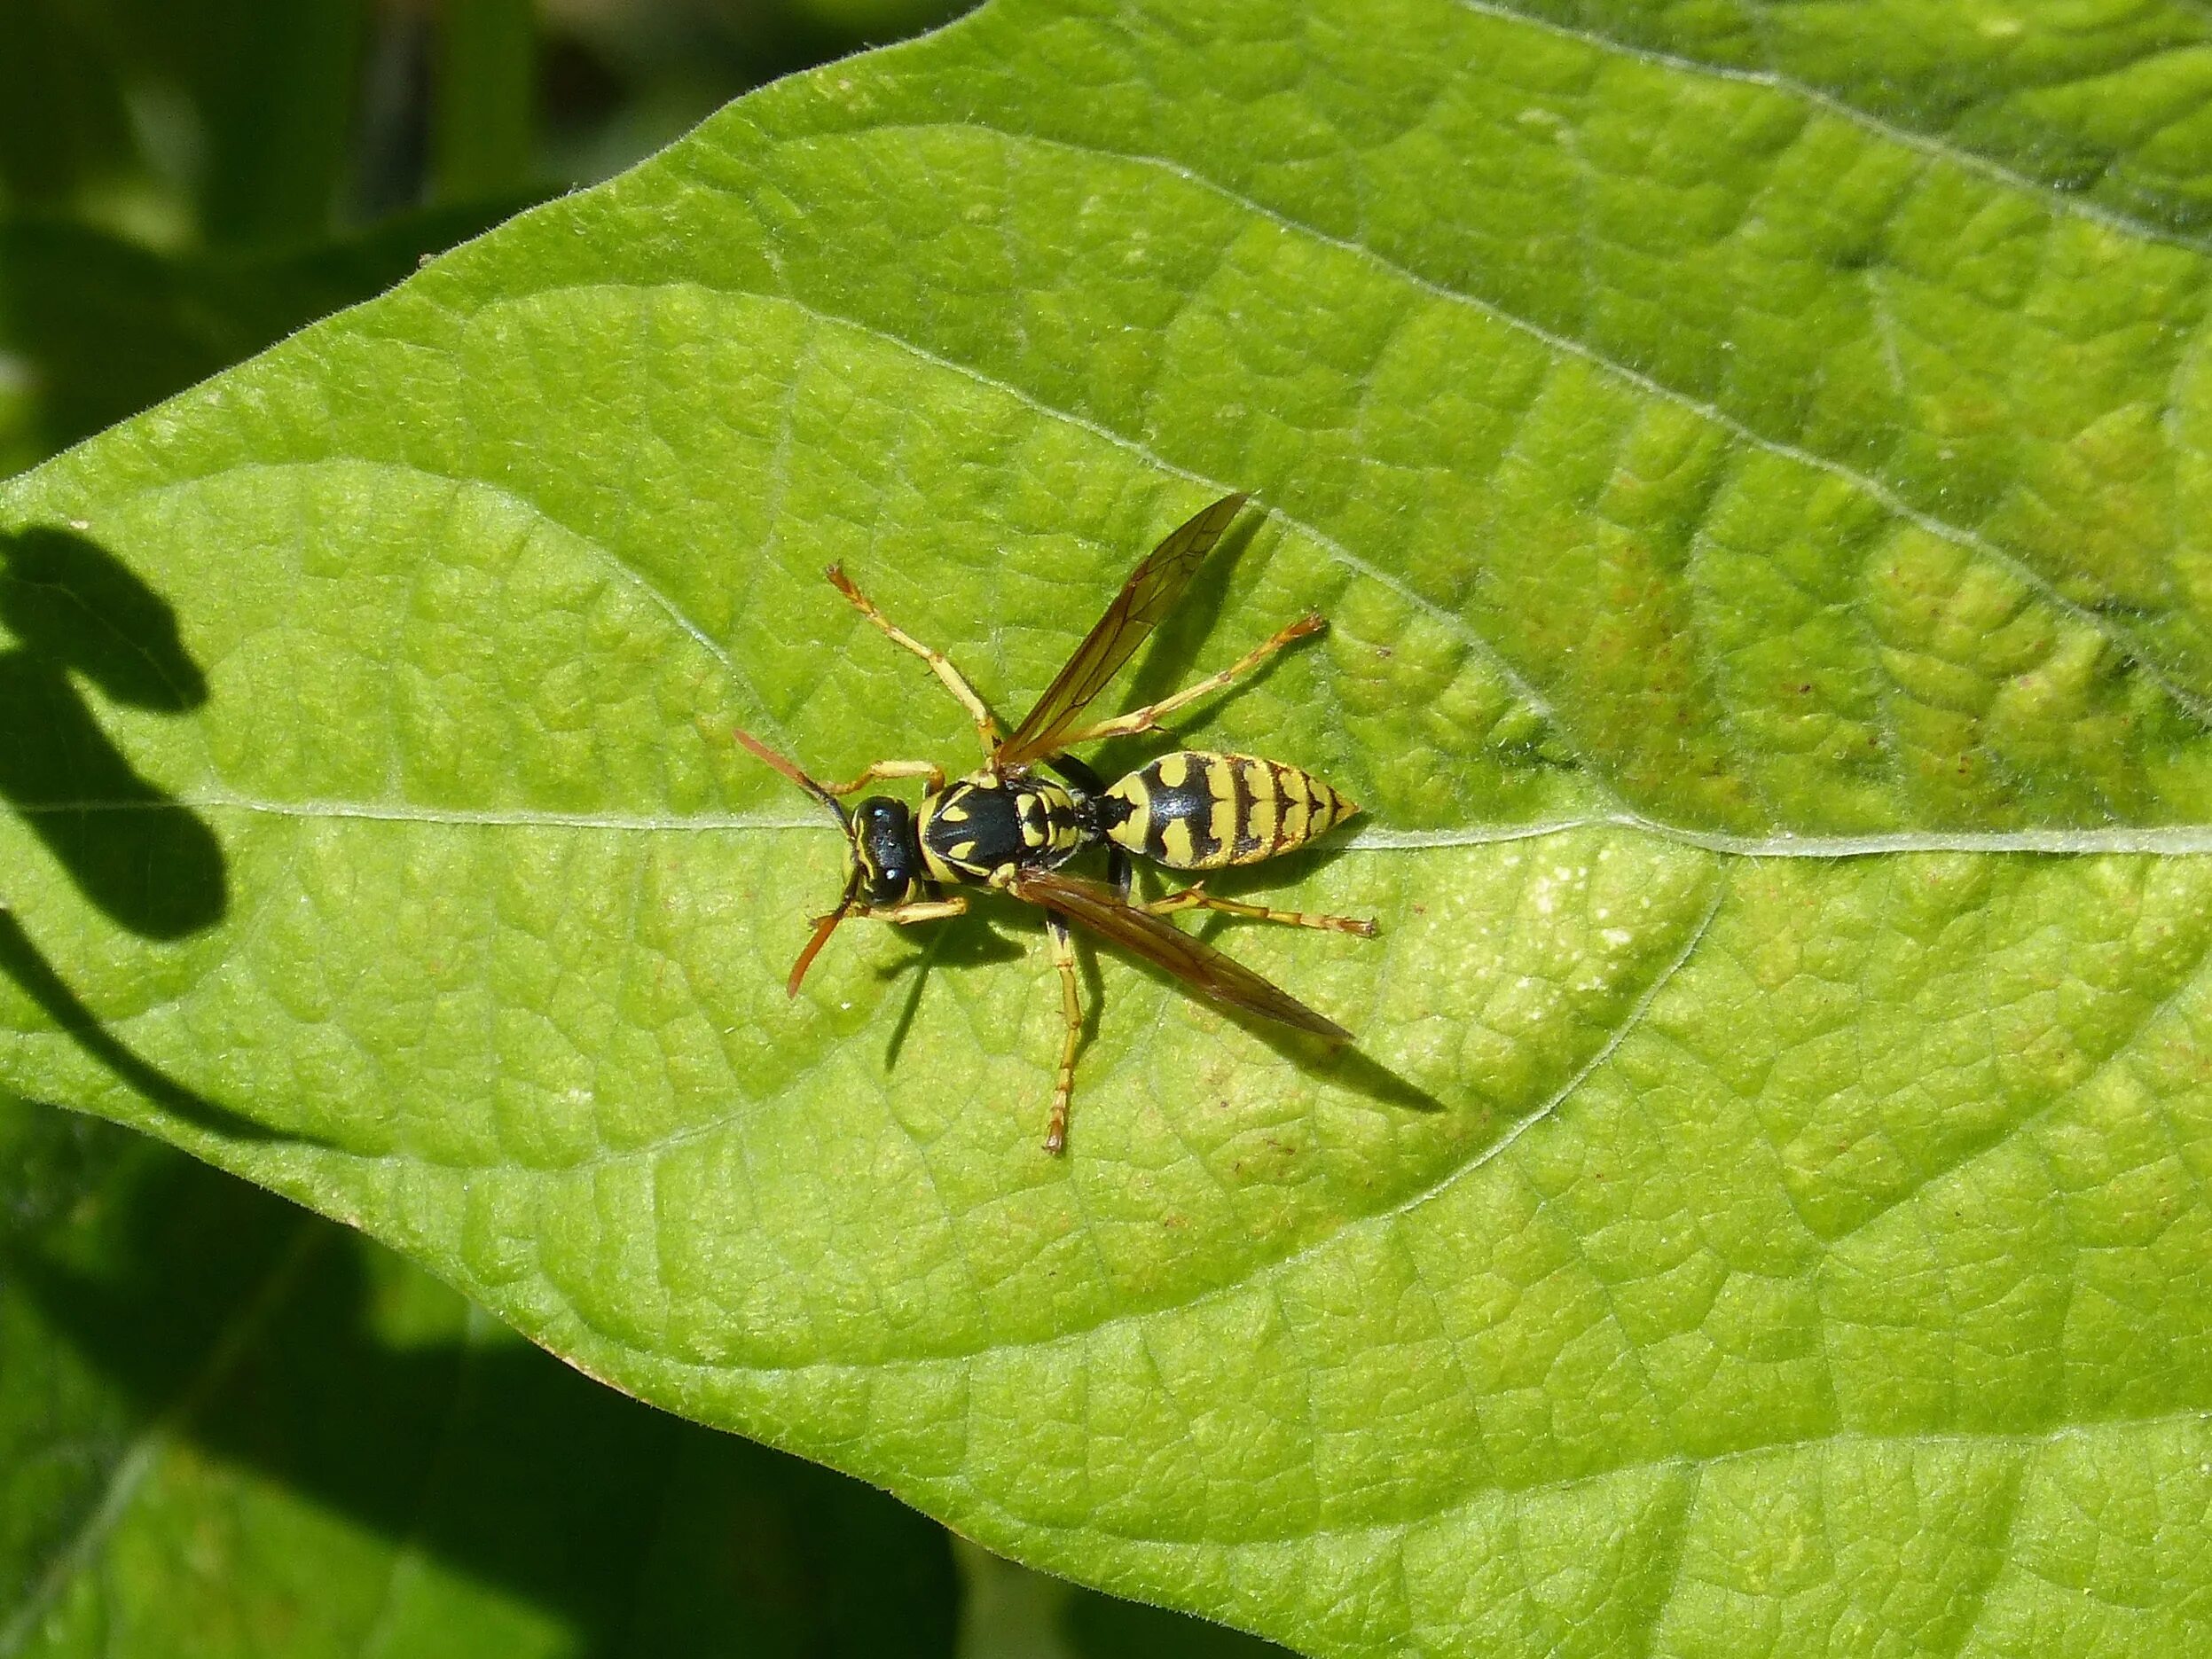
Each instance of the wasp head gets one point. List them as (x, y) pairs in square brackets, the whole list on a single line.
[(886, 856)]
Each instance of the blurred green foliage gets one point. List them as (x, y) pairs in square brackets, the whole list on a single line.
[(183, 182), (221, 1419)]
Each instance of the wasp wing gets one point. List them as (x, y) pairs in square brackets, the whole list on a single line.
[(1150, 594), (1153, 938)]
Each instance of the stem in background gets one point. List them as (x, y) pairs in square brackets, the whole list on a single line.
[(483, 115)]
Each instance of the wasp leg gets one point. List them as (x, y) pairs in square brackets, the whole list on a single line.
[(1071, 1010), (928, 770), (1151, 715), (1198, 898), (918, 909), (940, 665)]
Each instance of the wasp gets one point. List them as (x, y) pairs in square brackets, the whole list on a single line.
[(1004, 826)]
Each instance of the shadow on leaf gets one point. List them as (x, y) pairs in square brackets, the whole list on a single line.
[(971, 940), (23, 962), (959, 941), (1341, 1063), (148, 862)]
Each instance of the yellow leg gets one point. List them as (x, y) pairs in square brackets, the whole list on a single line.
[(926, 770), (1198, 898), (920, 910), (940, 665), (1151, 715), (1071, 1010)]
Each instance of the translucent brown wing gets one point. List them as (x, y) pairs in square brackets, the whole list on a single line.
[(1193, 961), (1150, 594)]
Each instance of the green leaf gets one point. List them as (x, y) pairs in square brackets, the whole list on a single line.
[(2105, 111), (221, 1418), (1770, 637)]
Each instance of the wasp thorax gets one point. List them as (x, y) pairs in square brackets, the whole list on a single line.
[(883, 847)]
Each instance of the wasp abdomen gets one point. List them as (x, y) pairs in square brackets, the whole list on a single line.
[(1191, 810)]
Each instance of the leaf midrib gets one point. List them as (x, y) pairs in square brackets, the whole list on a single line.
[(2168, 841), (1777, 845), (1269, 1270)]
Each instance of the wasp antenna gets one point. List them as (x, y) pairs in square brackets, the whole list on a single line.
[(827, 925), (789, 770), (823, 927)]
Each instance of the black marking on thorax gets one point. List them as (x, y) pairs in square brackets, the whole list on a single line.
[(984, 824), (976, 828)]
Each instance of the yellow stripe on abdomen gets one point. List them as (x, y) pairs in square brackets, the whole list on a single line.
[(1225, 815), (1311, 807), (1298, 809), (1263, 820)]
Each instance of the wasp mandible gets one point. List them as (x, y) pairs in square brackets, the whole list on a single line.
[(1006, 827)]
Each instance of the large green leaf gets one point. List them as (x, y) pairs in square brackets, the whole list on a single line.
[(1771, 640)]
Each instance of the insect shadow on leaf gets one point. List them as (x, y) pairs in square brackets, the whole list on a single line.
[(1343, 1064), (75, 610), (23, 962), (148, 862), (967, 941)]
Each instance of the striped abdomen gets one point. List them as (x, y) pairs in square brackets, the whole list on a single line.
[(1195, 811)]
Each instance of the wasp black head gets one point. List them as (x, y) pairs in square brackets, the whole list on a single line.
[(885, 850)]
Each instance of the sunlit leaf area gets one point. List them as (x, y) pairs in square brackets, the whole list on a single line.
[(1752, 458)]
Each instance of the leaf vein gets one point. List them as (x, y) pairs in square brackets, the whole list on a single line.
[(1686, 1463), (1936, 145), (2193, 982), (2198, 708)]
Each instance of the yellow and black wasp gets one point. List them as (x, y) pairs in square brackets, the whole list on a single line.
[(1004, 826)]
